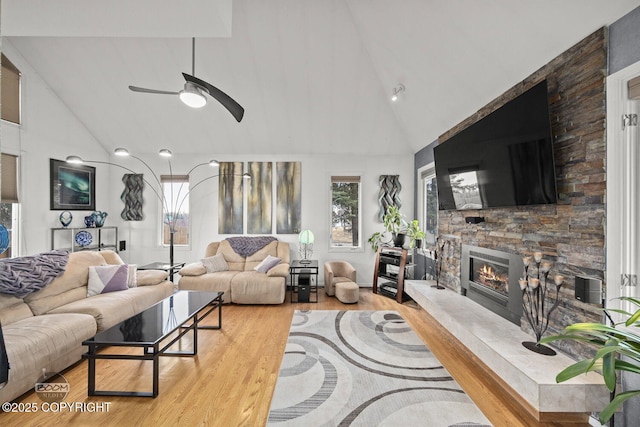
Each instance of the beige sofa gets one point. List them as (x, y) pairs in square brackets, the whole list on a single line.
[(45, 329), (241, 284)]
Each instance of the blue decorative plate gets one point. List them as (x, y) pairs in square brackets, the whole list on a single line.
[(84, 238)]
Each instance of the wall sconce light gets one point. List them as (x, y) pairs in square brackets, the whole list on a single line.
[(396, 91)]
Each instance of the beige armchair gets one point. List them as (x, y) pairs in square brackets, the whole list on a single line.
[(336, 272)]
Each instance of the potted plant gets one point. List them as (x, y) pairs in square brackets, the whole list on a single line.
[(395, 224), (610, 342), (415, 234), (376, 240)]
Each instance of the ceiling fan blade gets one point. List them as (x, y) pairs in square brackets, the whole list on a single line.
[(234, 108), (144, 90)]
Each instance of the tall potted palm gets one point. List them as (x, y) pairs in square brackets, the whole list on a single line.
[(611, 342)]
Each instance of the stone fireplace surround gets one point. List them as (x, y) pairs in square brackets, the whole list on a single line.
[(571, 233)]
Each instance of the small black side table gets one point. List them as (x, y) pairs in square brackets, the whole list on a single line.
[(304, 268), (165, 266)]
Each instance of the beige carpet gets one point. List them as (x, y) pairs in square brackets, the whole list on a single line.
[(364, 368)]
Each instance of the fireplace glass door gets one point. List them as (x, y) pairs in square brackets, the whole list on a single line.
[(491, 275)]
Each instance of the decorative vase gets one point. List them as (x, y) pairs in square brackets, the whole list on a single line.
[(65, 218), (99, 217), (398, 240), (89, 221)]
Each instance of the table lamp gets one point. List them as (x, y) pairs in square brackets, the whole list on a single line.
[(305, 238)]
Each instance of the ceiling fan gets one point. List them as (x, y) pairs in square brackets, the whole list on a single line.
[(194, 90)]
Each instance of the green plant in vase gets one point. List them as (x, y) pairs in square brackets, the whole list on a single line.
[(611, 342), (395, 224), (415, 233)]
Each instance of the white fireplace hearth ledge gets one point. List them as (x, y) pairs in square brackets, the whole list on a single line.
[(498, 344)]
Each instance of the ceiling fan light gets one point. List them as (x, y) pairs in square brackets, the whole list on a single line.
[(192, 97), (75, 160)]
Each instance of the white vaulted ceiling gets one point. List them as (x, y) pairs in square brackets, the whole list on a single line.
[(314, 76)]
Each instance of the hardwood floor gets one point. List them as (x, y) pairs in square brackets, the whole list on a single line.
[(231, 380)]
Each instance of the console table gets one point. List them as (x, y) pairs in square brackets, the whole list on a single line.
[(102, 238), (497, 343)]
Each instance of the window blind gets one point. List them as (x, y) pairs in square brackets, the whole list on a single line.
[(174, 178), (10, 101), (344, 178), (9, 178)]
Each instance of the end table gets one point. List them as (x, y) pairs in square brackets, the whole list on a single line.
[(302, 269), (165, 266)]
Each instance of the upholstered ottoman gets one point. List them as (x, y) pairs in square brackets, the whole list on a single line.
[(347, 292)]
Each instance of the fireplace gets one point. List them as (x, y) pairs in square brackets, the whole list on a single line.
[(490, 277)]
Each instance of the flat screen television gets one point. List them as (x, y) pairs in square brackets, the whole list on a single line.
[(505, 159)]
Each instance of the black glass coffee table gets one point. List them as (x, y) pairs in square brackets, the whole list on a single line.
[(154, 330)]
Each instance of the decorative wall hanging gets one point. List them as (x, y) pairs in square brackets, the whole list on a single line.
[(288, 197), (259, 199), (72, 187), (230, 194), (389, 193), (132, 197)]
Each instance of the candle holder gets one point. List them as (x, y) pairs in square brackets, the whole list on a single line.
[(438, 254), (535, 288)]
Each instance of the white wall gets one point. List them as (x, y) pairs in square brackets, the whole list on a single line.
[(143, 237), (49, 130)]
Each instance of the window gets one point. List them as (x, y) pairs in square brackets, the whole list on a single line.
[(429, 204), (10, 90), (9, 207), (345, 212), (175, 191)]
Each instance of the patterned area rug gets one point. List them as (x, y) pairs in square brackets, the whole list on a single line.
[(364, 368)]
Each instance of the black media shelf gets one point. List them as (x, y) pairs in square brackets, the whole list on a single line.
[(393, 266)]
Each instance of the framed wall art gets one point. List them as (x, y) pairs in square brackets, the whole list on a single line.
[(72, 187), (230, 198), (288, 197), (259, 199)]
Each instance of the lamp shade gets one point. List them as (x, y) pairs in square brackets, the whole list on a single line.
[(305, 237)]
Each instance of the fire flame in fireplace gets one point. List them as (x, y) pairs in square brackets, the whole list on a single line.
[(489, 277)]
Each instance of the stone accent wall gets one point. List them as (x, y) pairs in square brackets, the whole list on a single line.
[(571, 233)]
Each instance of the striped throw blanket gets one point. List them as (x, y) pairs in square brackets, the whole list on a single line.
[(23, 275)]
